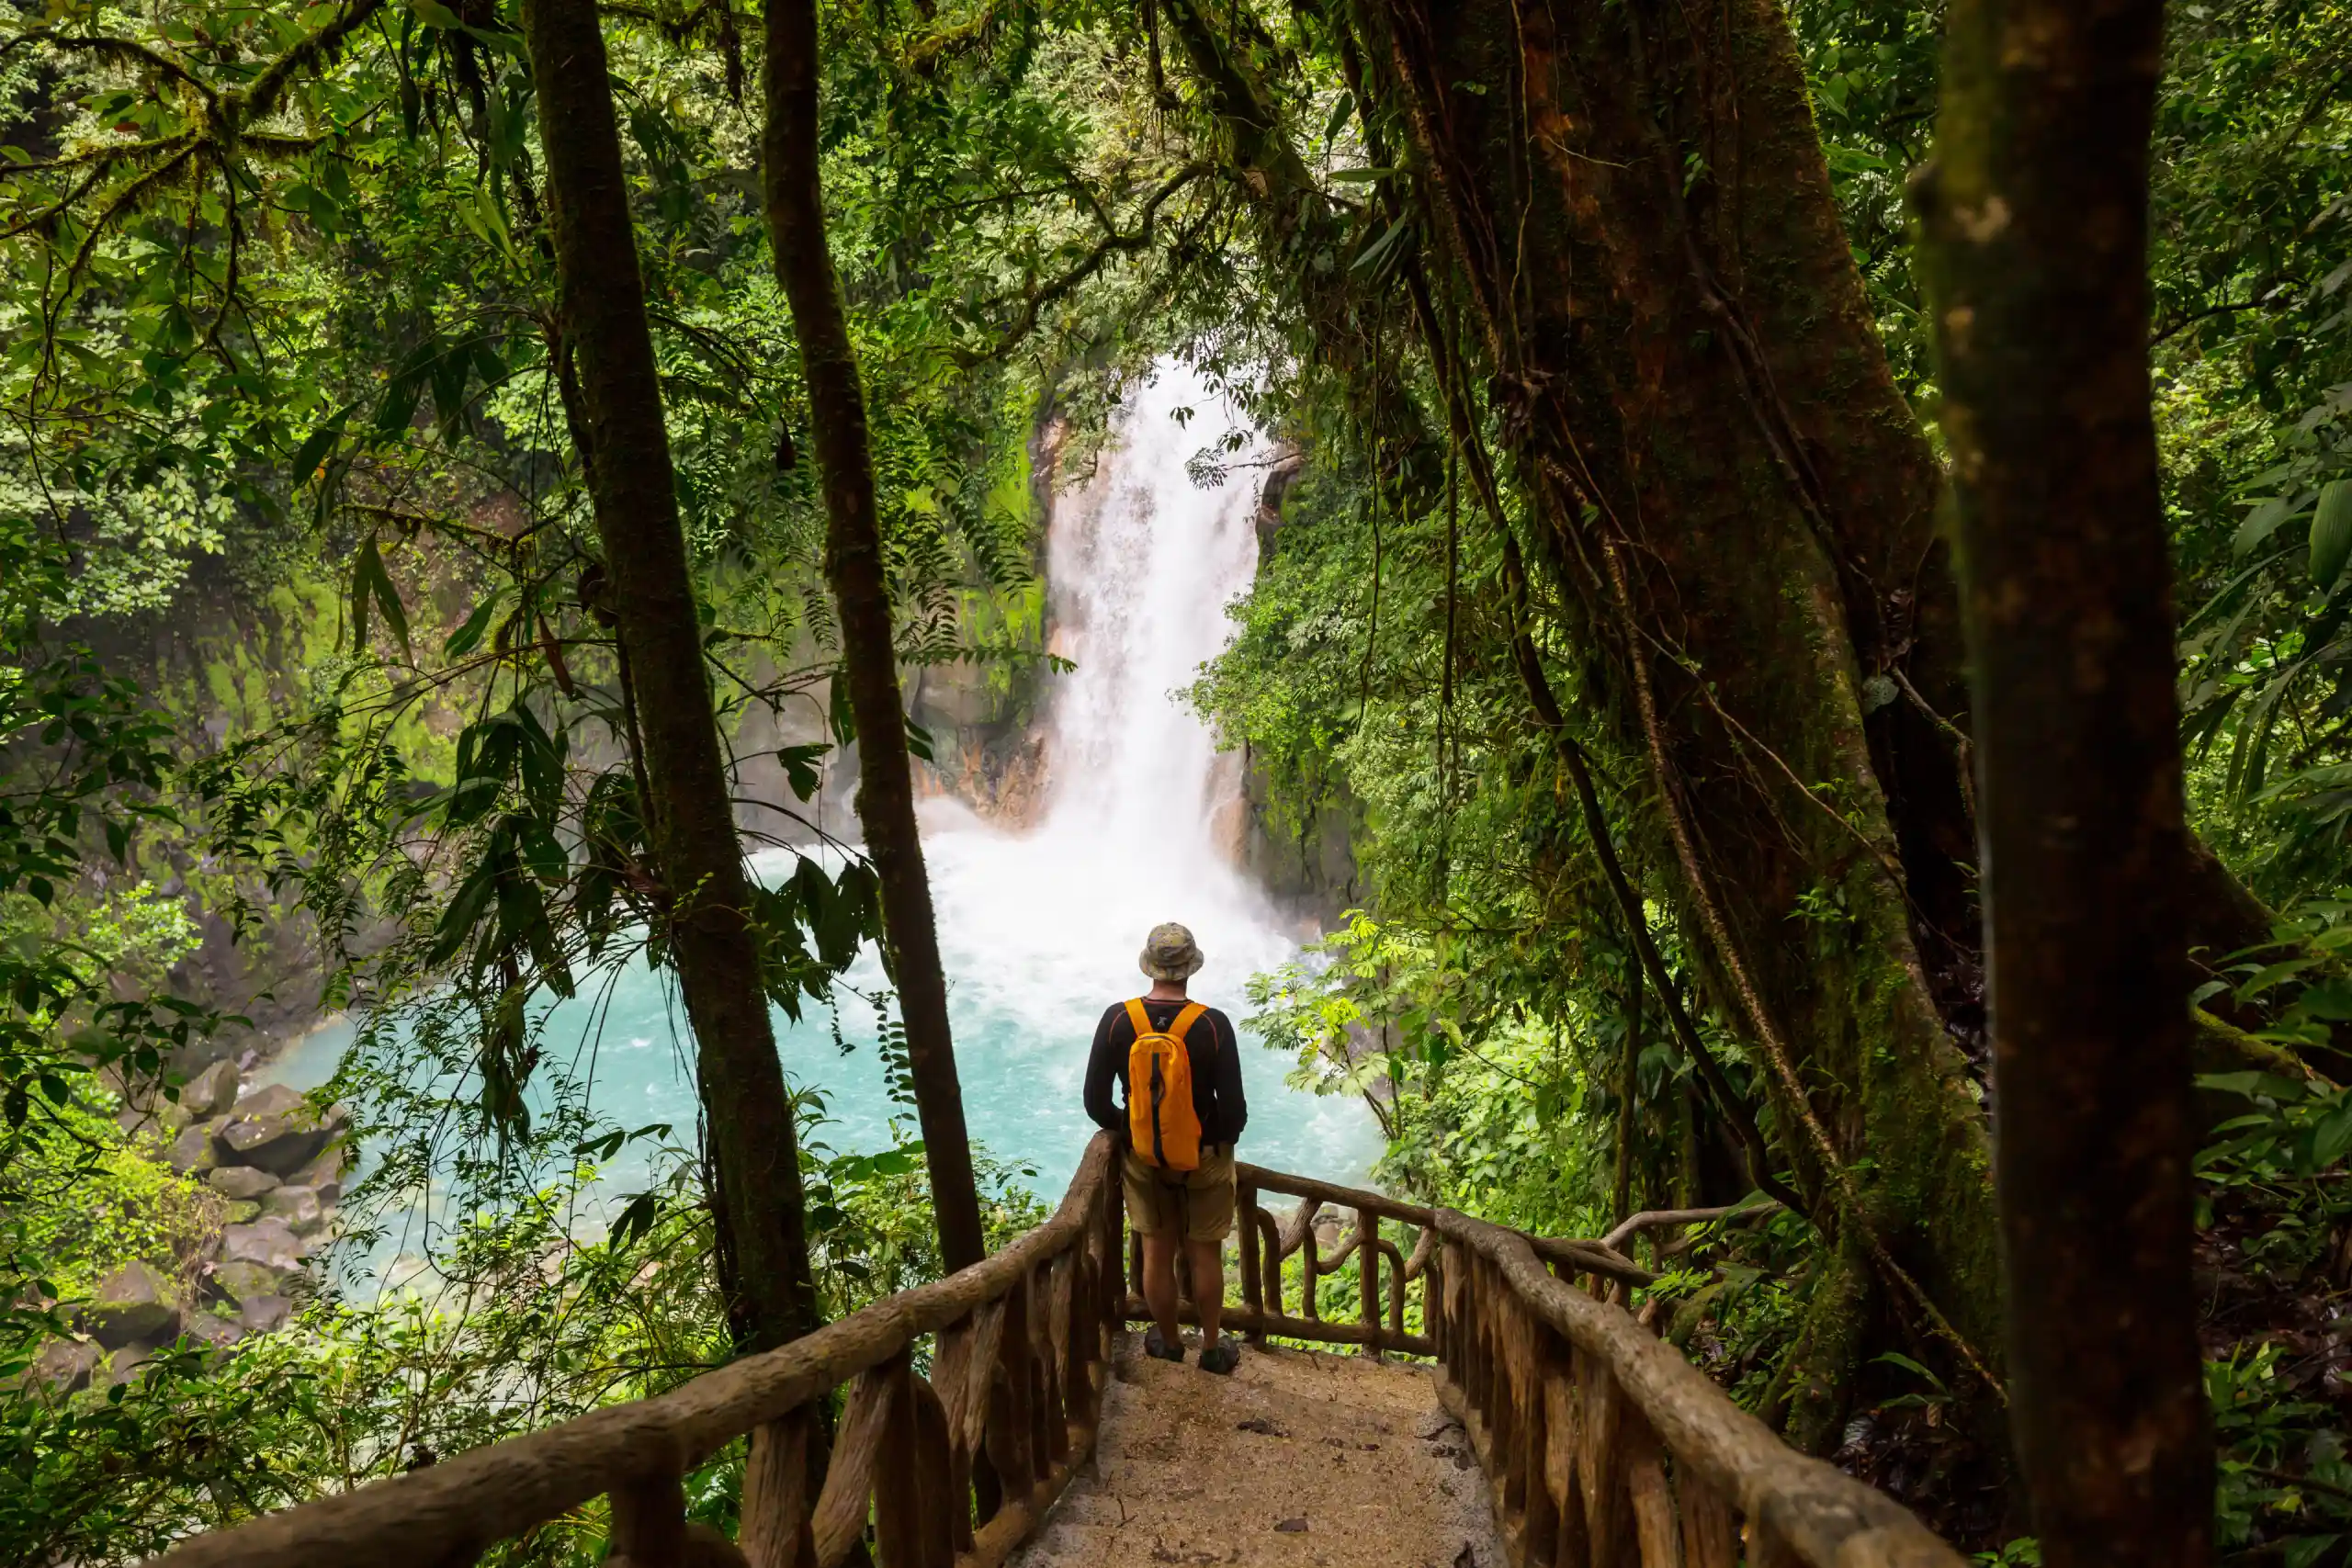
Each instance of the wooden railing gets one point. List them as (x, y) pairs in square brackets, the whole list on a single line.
[(1604, 1446), (950, 1471), (1267, 1243)]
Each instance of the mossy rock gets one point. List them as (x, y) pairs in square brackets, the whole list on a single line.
[(243, 1212), (132, 1305), (248, 1281)]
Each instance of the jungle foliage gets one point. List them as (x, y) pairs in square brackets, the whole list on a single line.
[(285, 369)]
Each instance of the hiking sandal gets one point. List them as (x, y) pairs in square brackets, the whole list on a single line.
[(1153, 1345), (1221, 1358)]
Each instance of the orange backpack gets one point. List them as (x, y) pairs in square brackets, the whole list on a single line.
[(1163, 1127)]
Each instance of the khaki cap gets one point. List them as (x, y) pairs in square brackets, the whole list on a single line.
[(1169, 953)]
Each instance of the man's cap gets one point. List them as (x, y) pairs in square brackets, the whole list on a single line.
[(1170, 952)]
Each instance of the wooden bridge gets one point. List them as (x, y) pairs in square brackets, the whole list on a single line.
[(1601, 1446)]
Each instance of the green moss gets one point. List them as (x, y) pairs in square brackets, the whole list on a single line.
[(103, 1198), (1816, 1379)]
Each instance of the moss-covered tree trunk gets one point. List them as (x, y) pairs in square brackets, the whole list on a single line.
[(762, 1251), (855, 569), (2033, 227), (1738, 509)]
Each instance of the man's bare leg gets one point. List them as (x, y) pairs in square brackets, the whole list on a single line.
[(1206, 1262), (1159, 1284)]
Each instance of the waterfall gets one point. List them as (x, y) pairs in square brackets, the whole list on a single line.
[(1141, 564), (1040, 930)]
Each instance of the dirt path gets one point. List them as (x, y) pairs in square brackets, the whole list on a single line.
[(1297, 1460)]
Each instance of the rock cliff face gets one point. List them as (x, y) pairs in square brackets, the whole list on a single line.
[(1309, 867), (1309, 870)]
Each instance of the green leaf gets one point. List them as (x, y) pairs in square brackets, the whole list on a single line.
[(635, 1218), (801, 768), (2332, 532), (2263, 521), (2250, 1084), (1360, 177), (1376, 255), (468, 637), (2332, 1136), (370, 583), (1896, 1358), (1340, 111), (2329, 1000)]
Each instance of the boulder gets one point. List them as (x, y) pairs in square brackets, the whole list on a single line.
[(121, 1366), (243, 1212), (280, 1141), (241, 1183), (324, 1173), (210, 1092), (298, 1206), (131, 1306), (269, 1100), (268, 1241), (212, 1330), (265, 1314), (242, 1282), (64, 1365), (193, 1152)]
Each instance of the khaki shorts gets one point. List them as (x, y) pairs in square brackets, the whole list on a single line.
[(1197, 1203)]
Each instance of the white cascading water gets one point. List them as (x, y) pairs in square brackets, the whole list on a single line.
[(1040, 929)]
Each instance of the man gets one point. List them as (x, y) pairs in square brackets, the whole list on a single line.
[(1176, 1155)]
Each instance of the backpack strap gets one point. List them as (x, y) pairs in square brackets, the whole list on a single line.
[(1184, 1020), (1136, 1017)]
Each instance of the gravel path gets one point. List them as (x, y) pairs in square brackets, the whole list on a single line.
[(1299, 1459)]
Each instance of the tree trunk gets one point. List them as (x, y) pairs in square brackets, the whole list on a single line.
[(2033, 216), (854, 568), (1738, 509), (762, 1250)]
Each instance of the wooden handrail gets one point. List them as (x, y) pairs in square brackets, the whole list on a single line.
[(1603, 1444), (447, 1514), (1590, 1428)]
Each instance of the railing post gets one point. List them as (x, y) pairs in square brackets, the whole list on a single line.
[(780, 1493), (1010, 1421), (943, 1508), (1110, 1308), (1368, 1278), (1435, 1269), (1050, 1439), (898, 1497), (649, 1522), (1269, 1267), (1245, 1210), (1311, 1253)]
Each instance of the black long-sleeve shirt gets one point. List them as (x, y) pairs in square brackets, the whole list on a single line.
[(1209, 1046)]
